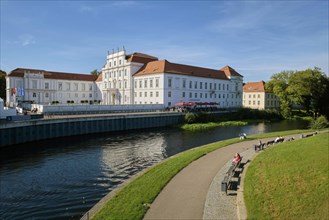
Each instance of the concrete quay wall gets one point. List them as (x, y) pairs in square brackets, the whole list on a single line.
[(35, 130)]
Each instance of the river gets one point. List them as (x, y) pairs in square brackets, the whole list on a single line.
[(63, 178)]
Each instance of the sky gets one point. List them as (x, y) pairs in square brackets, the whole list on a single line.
[(256, 38)]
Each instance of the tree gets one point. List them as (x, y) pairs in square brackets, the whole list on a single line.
[(95, 72), (308, 88), (279, 85), (3, 85)]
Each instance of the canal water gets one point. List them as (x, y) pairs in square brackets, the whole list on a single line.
[(63, 178)]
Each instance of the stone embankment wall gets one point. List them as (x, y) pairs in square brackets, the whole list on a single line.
[(35, 130)]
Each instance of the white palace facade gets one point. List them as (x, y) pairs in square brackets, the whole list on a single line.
[(129, 79)]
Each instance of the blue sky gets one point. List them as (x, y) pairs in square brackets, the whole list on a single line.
[(256, 38)]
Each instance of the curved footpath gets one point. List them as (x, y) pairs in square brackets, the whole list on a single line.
[(195, 192)]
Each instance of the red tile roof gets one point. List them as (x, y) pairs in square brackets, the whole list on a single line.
[(19, 72), (164, 66), (140, 58), (254, 87), (229, 71)]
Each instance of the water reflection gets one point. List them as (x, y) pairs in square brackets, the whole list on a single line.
[(63, 178)]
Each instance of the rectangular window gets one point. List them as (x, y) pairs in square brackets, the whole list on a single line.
[(46, 85), (68, 86), (195, 85), (190, 94), (135, 84), (47, 95), (145, 93), (140, 84), (184, 83), (157, 94), (183, 94), (190, 84), (169, 82), (201, 95), (195, 95), (210, 85), (215, 86), (34, 95), (206, 85), (218, 86), (151, 83), (90, 95), (227, 88), (169, 93), (145, 83), (151, 94), (200, 85), (34, 84), (83, 87), (76, 86), (60, 86), (90, 87), (140, 94), (157, 83)]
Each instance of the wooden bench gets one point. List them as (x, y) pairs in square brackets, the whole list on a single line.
[(259, 146), (226, 183), (309, 135), (270, 143)]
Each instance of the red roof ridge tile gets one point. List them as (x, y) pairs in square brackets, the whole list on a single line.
[(19, 72), (254, 87)]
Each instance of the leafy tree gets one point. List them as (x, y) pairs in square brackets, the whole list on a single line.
[(307, 88), (279, 85), (95, 72), (3, 84)]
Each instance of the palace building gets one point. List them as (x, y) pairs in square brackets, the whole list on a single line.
[(255, 96), (129, 79)]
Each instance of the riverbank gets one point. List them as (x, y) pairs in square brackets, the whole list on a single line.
[(123, 202), (13, 133)]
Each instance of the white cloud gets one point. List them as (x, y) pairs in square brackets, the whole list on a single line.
[(27, 39), (23, 40), (123, 3)]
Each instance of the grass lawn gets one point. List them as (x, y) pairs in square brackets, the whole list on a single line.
[(204, 126), (290, 181), (132, 201)]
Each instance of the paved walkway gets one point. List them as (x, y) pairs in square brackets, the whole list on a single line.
[(194, 193)]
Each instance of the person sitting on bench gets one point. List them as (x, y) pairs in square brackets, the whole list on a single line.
[(236, 159)]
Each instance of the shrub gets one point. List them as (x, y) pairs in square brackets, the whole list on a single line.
[(190, 118), (319, 123)]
